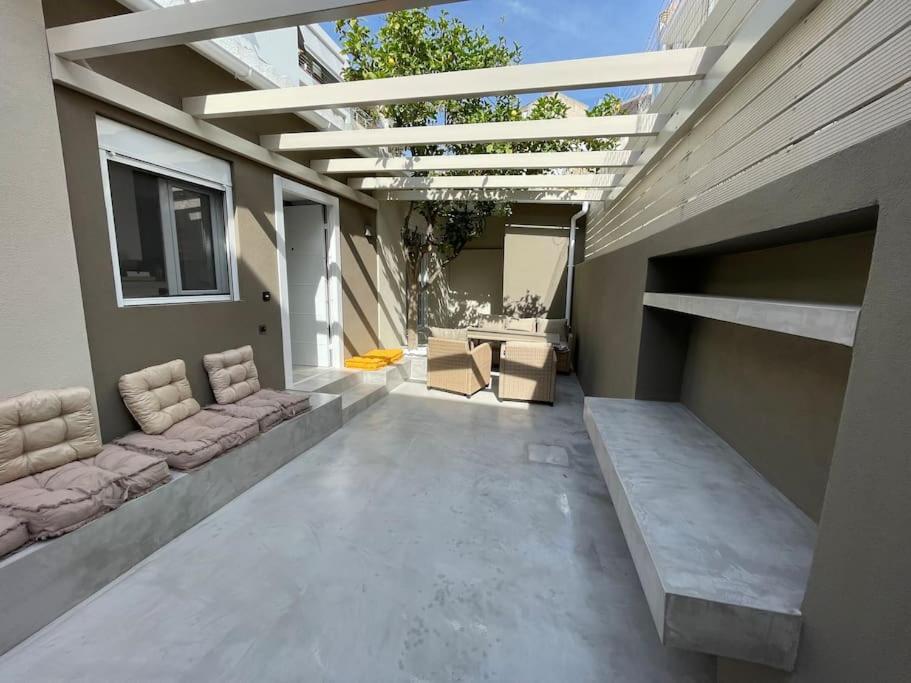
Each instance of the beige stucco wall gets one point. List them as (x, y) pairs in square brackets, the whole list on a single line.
[(534, 272), (391, 273), (43, 340)]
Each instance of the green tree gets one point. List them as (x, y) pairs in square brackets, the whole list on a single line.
[(609, 105), (413, 42)]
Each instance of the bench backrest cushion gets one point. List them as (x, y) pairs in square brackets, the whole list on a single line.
[(493, 322), (552, 326), (521, 324), (159, 397), (45, 429), (232, 374), (448, 333)]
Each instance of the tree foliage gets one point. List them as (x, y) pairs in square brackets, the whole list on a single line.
[(413, 42)]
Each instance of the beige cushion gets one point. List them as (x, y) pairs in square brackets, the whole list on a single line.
[(267, 406), (267, 415), (493, 322), (13, 534), (448, 333), (62, 499), (232, 374), (194, 441), (521, 324), (178, 453), (292, 403), (41, 430), (159, 397), (140, 473), (555, 326)]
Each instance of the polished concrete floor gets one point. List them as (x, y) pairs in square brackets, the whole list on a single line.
[(433, 538)]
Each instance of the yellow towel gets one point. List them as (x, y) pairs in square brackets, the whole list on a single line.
[(362, 363), (389, 355)]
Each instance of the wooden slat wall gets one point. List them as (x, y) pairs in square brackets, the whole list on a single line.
[(720, 25), (839, 77)]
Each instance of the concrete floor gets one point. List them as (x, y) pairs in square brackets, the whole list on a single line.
[(433, 538)]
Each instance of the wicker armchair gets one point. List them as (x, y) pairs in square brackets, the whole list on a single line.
[(528, 372), (453, 366)]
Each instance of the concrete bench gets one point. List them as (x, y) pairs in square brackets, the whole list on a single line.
[(722, 555)]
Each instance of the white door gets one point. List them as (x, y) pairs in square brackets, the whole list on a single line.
[(308, 285)]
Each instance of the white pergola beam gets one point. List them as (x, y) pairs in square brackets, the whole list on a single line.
[(476, 162), (86, 81), (496, 182), (470, 133), (765, 25), (501, 196), (643, 67), (205, 20)]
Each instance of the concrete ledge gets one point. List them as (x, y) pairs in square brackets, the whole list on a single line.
[(46, 579), (723, 556), (826, 322)]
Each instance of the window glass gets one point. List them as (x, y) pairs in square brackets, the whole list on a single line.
[(170, 235), (195, 239)]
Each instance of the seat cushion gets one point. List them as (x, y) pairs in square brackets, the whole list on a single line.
[(178, 453), (56, 501), (194, 441), (159, 397), (13, 534), (42, 430), (140, 473), (291, 402), (266, 414), (232, 374), (208, 425)]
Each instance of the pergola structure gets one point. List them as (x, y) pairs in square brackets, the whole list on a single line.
[(707, 70)]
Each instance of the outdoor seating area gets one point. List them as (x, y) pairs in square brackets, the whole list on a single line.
[(455, 340), (528, 352), (56, 476)]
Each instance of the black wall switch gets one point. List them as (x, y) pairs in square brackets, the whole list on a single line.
[(267, 296), (262, 329)]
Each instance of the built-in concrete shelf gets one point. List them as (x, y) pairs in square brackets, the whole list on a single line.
[(826, 322), (722, 555)]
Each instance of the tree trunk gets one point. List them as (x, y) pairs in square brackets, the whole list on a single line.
[(412, 296)]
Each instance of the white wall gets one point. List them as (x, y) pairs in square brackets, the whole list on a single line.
[(43, 339)]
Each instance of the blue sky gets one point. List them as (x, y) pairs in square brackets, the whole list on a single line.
[(549, 30)]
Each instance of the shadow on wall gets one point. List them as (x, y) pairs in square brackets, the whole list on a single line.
[(529, 305)]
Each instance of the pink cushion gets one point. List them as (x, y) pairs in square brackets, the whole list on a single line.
[(194, 441), (178, 453), (13, 534), (208, 425), (59, 500), (267, 415), (292, 402), (140, 473)]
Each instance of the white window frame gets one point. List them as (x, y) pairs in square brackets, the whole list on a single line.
[(176, 163)]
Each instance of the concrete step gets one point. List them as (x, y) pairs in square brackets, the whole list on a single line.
[(361, 397), (390, 376), (330, 381)]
